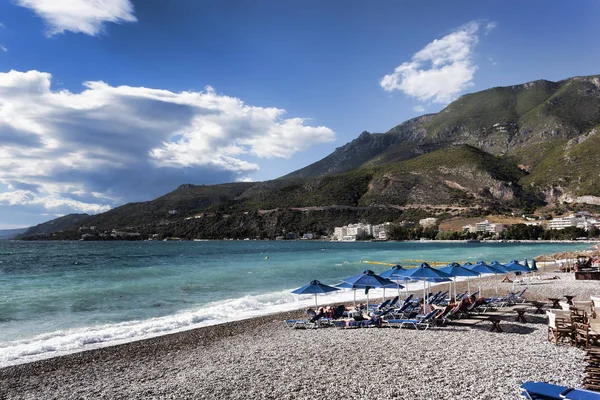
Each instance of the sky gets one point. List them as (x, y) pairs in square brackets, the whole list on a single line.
[(105, 102)]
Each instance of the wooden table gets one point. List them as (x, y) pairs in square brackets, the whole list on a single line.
[(495, 320), (569, 299), (520, 314), (538, 307), (555, 303)]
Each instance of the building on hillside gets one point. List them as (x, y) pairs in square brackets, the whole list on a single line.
[(356, 230), (340, 232), (428, 222), (470, 228), (487, 227), (579, 220), (308, 236), (359, 231)]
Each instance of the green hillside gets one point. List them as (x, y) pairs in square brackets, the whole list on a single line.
[(498, 149)]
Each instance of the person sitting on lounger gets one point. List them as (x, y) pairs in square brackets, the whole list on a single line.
[(319, 315), (445, 309)]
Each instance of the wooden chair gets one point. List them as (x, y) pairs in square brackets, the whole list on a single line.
[(583, 335), (559, 326), (578, 315)]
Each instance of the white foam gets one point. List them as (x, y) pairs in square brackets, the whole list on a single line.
[(62, 342)]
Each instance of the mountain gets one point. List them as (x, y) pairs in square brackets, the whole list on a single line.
[(501, 121), (11, 233), (499, 149), (56, 225)]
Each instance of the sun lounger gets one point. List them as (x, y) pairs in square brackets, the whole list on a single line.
[(313, 321), (542, 391), (423, 323), (548, 391)]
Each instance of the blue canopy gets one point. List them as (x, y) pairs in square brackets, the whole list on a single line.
[(427, 273), (396, 273), (482, 268), (315, 287), (456, 270), (514, 266), (369, 278)]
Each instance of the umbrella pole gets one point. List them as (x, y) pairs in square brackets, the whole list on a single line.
[(316, 307), (355, 299), (469, 286), (384, 294), (424, 296)]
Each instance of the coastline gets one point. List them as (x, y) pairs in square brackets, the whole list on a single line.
[(260, 358)]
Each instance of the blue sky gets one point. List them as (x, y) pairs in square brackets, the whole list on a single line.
[(104, 102)]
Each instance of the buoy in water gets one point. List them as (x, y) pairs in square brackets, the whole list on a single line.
[(267, 257)]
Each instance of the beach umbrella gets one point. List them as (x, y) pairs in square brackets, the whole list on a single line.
[(425, 272), (346, 285), (315, 287), (454, 270), (533, 265), (516, 267), (397, 274), (368, 279), (482, 268)]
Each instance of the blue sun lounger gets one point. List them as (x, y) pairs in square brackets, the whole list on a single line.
[(424, 322), (548, 391)]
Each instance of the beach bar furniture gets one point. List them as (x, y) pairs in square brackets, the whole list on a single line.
[(559, 326), (592, 370)]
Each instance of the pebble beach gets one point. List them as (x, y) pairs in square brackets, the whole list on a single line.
[(260, 358)]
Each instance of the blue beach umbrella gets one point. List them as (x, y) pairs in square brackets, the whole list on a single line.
[(396, 274), (425, 272), (315, 287), (483, 268), (368, 279), (533, 265), (454, 270), (515, 266)]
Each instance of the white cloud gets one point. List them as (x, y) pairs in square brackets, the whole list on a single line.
[(490, 26), (440, 71), (492, 61), (49, 202), (3, 48), (419, 109), (80, 16), (2, 25), (106, 145)]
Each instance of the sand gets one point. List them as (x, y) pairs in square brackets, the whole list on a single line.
[(260, 358)]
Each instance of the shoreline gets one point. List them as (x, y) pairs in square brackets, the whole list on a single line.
[(261, 358)]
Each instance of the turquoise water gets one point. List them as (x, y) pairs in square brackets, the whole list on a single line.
[(60, 297)]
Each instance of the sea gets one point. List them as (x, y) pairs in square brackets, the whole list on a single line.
[(63, 297)]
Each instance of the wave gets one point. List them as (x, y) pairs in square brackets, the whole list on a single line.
[(63, 342)]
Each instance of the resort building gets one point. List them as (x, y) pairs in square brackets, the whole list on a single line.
[(487, 227), (428, 222), (359, 231), (578, 220)]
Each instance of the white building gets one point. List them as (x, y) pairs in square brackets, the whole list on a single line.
[(340, 232), (353, 232), (428, 222), (470, 228), (579, 220), (562, 223), (487, 227)]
